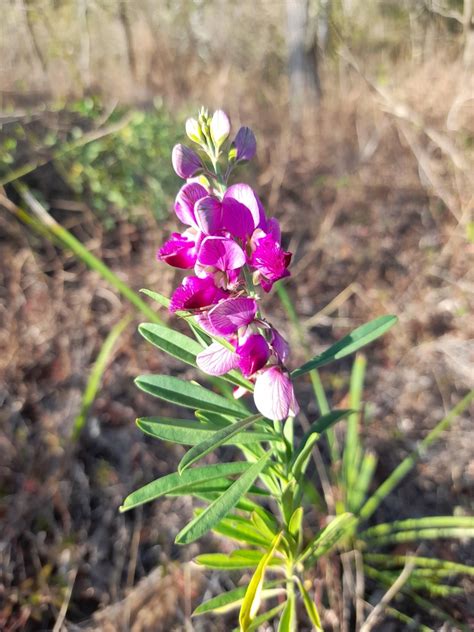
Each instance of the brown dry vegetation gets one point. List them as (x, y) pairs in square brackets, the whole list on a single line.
[(375, 198)]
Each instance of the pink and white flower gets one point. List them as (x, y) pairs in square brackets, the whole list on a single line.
[(274, 395)]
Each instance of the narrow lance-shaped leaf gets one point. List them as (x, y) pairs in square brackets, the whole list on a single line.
[(222, 505), (176, 391), (302, 454), (310, 606), (174, 482), (171, 342), (328, 537), (192, 432), (252, 599), (217, 439), (349, 344), (228, 601), (239, 559), (288, 618)]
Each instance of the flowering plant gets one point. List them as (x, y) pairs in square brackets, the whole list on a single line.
[(234, 252)]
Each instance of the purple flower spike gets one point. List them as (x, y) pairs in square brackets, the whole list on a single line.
[(208, 215), (217, 360), (230, 315), (220, 127), (185, 161), (270, 262), (245, 144), (187, 197), (274, 395), (195, 293), (180, 251), (242, 211), (253, 354)]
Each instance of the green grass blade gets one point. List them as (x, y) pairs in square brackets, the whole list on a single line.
[(176, 391), (354, 341), (409, 462), (216, 511), (326, 539), (420, 534), (216, 439), (231, 600), (363, 481), (352, 448), (95, 378), (174, 482), (410, 524), (262, 618), (425, 563)]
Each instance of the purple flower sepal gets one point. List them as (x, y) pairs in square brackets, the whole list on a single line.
[(274, 395)]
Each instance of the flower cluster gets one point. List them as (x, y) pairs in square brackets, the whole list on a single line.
[(233, 250)]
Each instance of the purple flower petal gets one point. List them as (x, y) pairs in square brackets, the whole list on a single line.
[(219, 128), (217, 360), (221, 253), (253, 354), (274, 395), (187, 197), (242, 211), (208, 215), (245, 144), (196, 293), (180, 251), (185, 161), (230, 315), (270, 261)]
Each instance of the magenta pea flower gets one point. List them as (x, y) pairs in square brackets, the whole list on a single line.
[(221, 258), (253, 354), (274, 395), (188, 195), (230, 315), (196, 293), (242, 211), (180, 251), (245, 144), (270, 262), (217, 360), (185, 161), (280, 345)]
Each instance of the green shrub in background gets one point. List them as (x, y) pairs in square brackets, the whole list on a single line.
[(112, 159)]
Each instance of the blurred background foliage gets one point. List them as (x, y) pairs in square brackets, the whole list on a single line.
[(363, 111)]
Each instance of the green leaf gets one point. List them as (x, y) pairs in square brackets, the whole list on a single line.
[(294, 525), (171, 342), (263, 526), (429, 522), (325, 540), (350, 343), (192, 432), (262, 618), (239, 559), (302, 454), (157, 297), (216, 439), (288, 618), (242, 530), (253, 595), (310, 606), (176, 391), (426, 563), (174, 482), (233, 599), (222, 505)]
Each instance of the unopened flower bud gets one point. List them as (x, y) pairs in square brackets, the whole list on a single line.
[(220, 127), (185, 161), (244, 146), (193, 130)]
